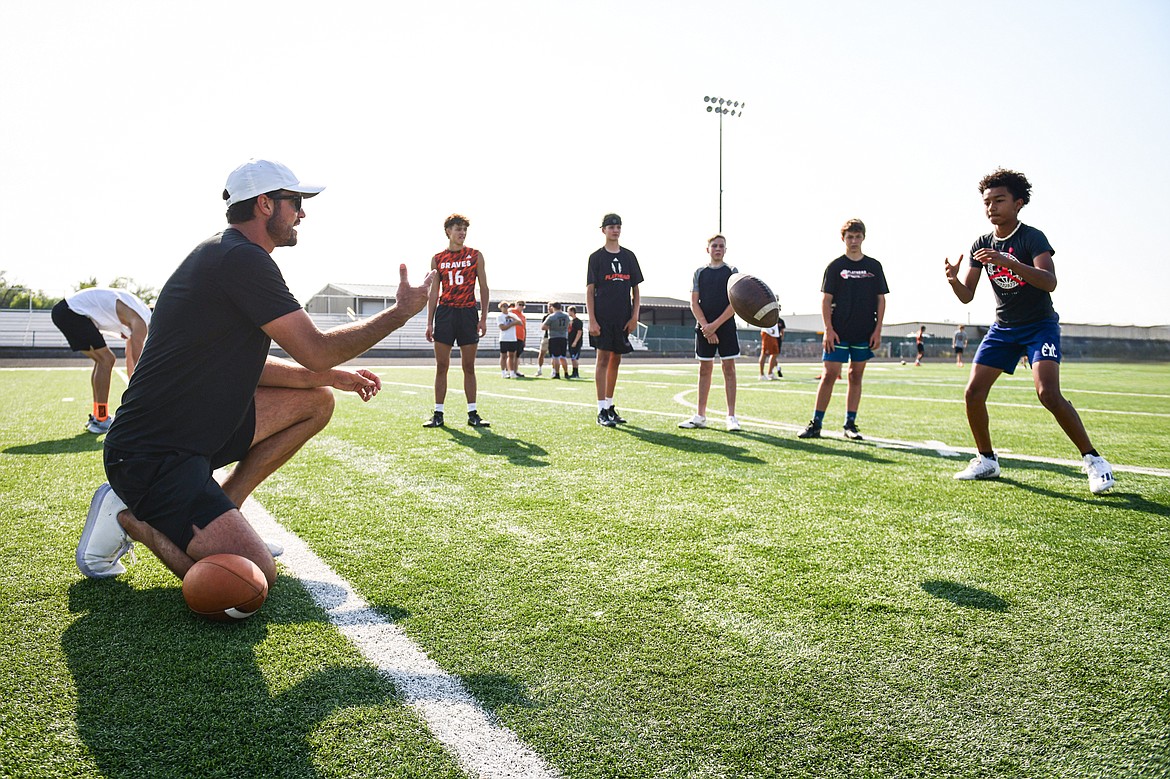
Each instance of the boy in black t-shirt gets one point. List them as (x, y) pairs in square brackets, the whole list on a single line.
[(715, 331), (1018, 261), (852, 309), (613, 300)]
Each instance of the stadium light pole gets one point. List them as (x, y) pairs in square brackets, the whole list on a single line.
[(722, 106)]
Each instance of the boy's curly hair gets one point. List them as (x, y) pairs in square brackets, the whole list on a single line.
[(1015, 182)]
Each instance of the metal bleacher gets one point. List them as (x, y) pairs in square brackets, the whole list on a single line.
[(30, 329), (25, 329)]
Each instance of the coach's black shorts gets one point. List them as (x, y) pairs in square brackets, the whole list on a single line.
[(80, 331), (558, 347), (727, 348), (509, 346), (613, 338), (175, 491), (456, 326)]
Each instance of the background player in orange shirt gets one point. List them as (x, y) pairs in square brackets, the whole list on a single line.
[(451, 315)]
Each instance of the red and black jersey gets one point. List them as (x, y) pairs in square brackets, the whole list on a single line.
[(458, 271)]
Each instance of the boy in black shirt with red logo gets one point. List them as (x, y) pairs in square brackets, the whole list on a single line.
[(1018, 261), (613, 300)]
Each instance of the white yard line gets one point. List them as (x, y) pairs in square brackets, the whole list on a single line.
[(479, 743)]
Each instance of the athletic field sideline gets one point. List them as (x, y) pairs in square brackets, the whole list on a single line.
[(549, 597)]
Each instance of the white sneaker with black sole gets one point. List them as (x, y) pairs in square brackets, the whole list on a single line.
[(694, 422), (980, 467), (733, 425)]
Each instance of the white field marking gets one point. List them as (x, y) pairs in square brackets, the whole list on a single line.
[(772, 424), (66, 400), (943, 449), (479, 743), (955, 401), (580, 404), (937, 446)]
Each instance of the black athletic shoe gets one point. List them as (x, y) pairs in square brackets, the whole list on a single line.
[(474, 420), (436, 420), (575, 375), (813, 430), (613, 414), (604, 419), (852, 433)]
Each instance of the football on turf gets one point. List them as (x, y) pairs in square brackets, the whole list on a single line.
[(752, 300), (225, 587)]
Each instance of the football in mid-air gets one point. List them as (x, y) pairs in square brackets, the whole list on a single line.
[(225, 587), (752, 300)]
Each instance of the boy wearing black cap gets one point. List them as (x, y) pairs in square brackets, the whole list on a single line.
[(613, 300)]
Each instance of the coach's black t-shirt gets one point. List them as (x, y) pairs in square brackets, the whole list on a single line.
[(205, 351), (1016, 301), (855, 286), (613, 276), (711, 284)]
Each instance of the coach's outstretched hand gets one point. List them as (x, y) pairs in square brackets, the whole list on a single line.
[(361, 381), (410, 299)]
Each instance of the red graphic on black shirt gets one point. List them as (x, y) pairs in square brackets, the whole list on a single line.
[(1002, 277)]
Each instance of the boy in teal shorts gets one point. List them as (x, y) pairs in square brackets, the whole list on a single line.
[(852, 309)]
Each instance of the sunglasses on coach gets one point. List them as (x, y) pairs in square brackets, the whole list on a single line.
[(296, 200)]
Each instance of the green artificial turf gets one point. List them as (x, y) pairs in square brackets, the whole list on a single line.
[(634, 602)]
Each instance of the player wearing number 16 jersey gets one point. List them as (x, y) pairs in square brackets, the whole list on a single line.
[(451, 315)]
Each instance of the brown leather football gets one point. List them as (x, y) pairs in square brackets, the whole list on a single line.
[(752, 300), (225, 587)]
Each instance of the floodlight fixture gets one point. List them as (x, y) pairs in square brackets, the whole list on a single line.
[(721, 106)]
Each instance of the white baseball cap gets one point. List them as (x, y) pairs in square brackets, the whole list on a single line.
[(255, 177)]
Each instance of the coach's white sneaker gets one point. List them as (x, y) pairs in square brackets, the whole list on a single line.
[(274, 549), (694, 422), (1100, 473), (733, 424), (980, 467), (103, 541)]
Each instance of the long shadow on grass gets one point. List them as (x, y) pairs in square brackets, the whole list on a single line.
[(82, 442), (161, 692), (517, 451), (1076, 481), (834, 447), (967, 597), (690, 444)]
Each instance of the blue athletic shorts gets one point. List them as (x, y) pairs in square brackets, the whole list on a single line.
[(848, 352), (1003, 346)]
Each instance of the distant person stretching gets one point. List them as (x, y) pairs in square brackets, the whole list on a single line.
[(613, 300), (81, 317), (1017, 259), (451, 317), (852, 309)]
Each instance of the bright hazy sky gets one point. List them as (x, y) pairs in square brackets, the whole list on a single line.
[(122, 120)]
